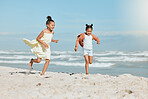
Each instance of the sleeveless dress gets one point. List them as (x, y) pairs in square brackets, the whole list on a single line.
[(88, 47), (38, 49), (88, 42)]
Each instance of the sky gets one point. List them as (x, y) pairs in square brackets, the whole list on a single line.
[(119, 24)]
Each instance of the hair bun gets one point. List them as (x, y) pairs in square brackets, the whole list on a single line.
[(49, 18), (89, 26)]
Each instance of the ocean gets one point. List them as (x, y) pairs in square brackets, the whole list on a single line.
[(104, 62)]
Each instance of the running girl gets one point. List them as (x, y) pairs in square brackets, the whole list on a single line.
[(85, 41), (40, 47)]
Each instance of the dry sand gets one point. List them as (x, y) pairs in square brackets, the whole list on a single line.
[(17, 84)]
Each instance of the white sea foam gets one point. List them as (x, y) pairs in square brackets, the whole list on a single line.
[(63, 63), (106, 56), (121, 58), (79, 58), (16, 57), (144, 53), (62, 56), (74, 59), (15, 62), (13, 52), (64, 52), (122, 53), (18, 62), (69, 57), (105, 53)]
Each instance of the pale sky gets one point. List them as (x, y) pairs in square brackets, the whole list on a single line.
[(120, 24)]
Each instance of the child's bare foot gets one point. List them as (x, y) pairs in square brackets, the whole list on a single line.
[(30, 66), (42, 74), (31, 62)]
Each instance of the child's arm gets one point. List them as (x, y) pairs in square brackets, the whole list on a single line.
[(52, 40), (56, 41), (39, 39), (77, 43), (96, 39)]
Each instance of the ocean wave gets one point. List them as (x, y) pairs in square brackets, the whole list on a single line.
[(122, 53), (63, 63), (29, 52), (15, 62), (16, 57), (83, 64), (79, 58), (64, 56), (121, 58), (65, 52), (69, 57), (105, 53), (106, 56), (13, 52), (75, 58)]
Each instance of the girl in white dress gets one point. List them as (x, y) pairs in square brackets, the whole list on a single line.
[(40, 46)]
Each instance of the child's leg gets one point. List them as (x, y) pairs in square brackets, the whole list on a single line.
[(38, 60), (90, 59), (86, 63), (45, 66)]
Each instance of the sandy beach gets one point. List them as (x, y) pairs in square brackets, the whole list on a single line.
[(18, 84)]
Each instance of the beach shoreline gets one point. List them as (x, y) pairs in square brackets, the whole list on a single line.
[(16, 83), (105, 62)]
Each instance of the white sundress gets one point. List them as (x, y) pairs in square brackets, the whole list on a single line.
[(38, 49)]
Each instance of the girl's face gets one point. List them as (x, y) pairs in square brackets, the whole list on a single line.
[(51, 25), (89, 31)]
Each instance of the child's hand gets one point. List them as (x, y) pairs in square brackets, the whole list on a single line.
[(45, 45), (56, 41), (76, 48), (98, 43)]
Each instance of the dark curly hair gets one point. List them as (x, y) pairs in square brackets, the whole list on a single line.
[(49, 19), (89, 26)]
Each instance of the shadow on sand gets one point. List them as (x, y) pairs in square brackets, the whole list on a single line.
[(24, 72)]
